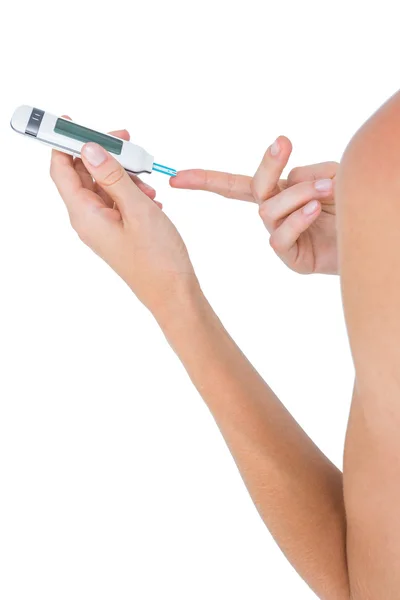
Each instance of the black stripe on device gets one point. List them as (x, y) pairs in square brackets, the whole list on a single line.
[(83, 134), (34, 122)]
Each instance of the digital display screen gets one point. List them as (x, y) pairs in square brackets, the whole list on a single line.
[(83, 134)]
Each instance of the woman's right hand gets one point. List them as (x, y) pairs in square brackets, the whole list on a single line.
[(120, 221), (299, 212)]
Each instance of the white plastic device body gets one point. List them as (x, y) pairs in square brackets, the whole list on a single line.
[(132, 157)]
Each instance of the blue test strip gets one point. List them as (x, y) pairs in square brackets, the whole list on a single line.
[(165, 170)]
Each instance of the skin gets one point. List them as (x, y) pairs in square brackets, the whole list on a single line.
[(369, 259), (300, 218), (339, 531)]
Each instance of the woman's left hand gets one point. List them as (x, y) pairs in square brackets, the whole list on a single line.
[(299, 212)]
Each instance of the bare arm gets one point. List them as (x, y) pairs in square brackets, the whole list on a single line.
[(368, 198), (296, 489)]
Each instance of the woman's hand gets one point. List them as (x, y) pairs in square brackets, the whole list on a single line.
[(133, 235), (299, 212)]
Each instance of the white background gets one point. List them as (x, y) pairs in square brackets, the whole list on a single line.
[(115, 482)]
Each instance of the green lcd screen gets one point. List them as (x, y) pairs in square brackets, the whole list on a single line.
[(83, 134)]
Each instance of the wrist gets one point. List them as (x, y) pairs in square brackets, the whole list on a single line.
[(183, 301)]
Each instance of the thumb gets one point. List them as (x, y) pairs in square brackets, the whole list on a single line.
[(110, 175)]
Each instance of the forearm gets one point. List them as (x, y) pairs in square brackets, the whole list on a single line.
[(296, 489)]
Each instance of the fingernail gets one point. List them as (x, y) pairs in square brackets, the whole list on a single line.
[(323, 185), (94, 154), (311, 207), (275, 148)]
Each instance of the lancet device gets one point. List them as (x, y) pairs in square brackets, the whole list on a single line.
[(69, 137)]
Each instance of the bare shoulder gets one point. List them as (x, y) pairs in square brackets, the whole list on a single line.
[(368, 198), (378, 136)]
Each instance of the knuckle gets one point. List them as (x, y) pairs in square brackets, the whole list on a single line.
[(266, 213), (295, 172), (256, 192), (113, 177), (257, 196), (78, 226), (74, 220), (308, 189), (206, 180), (331, 165), (274, 243), (303, 191), (263, 210), (231, 185), (295, 175)]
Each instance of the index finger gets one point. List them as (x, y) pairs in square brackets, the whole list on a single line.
[(237, 187), (67, 180)]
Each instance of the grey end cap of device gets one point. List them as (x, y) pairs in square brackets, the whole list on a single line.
[(34, 122)]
